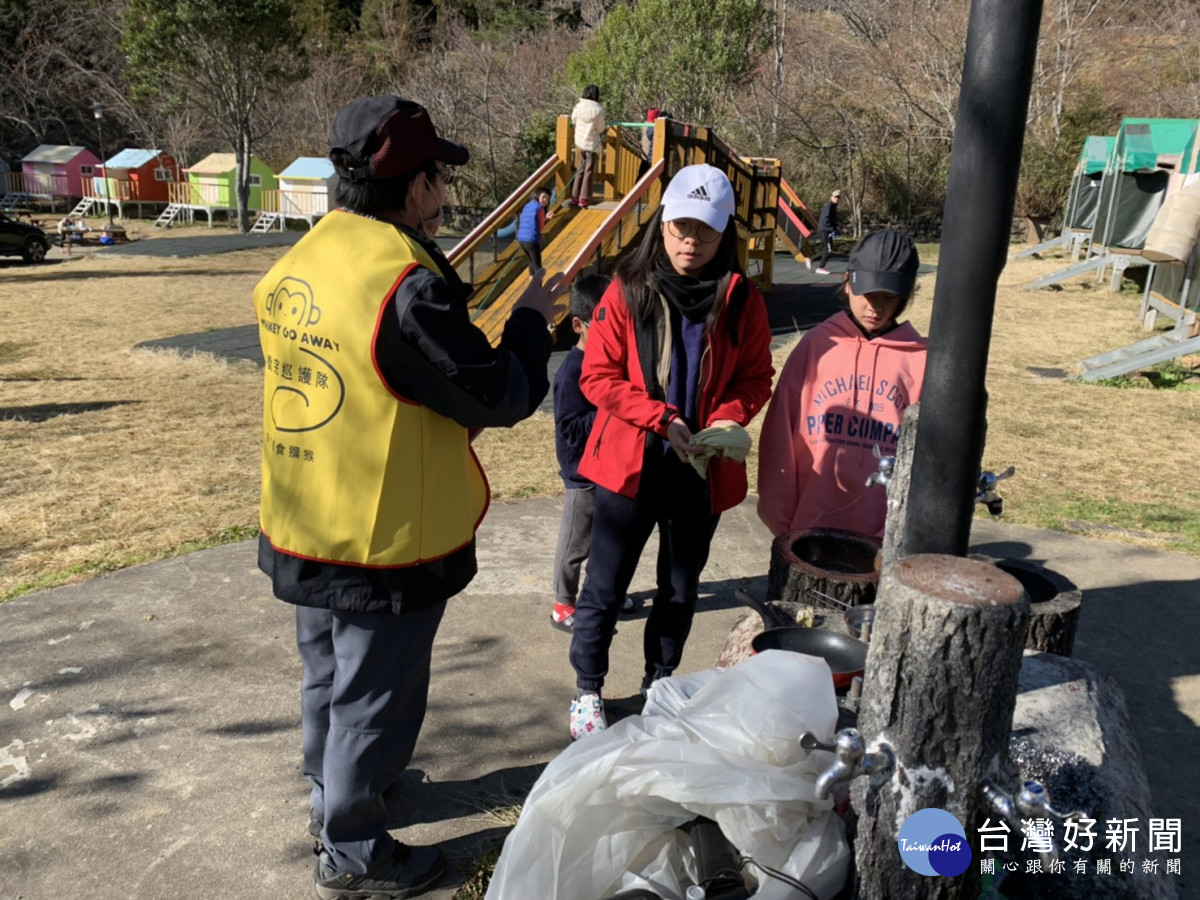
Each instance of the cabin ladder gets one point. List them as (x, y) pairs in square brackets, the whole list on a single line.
[(266, 221), (15, 200), (83, 207), (168, 215)]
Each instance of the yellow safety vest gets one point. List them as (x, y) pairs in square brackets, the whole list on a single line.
[(352, 472)]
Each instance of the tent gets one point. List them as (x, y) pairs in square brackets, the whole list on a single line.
[(1084, 198), (1144, 154)]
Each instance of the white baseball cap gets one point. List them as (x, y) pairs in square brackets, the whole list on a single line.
[(699, 192)]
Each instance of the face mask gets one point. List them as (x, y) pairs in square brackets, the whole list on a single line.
[(431, 224)]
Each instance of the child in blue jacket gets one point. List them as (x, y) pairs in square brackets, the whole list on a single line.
[(529, 227), (573, 417)]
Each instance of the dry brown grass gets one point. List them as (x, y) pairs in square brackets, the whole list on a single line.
[(175, 460)]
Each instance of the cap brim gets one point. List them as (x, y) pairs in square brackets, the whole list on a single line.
[(451, 153), (696, 209), (888, 282)]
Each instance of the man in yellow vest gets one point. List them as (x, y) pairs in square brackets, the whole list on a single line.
[(371, 493)]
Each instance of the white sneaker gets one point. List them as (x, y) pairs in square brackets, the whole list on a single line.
[(822, 271), (808, 264), (587, 716)]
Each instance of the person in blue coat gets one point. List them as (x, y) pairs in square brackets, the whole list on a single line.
[(529, 228)]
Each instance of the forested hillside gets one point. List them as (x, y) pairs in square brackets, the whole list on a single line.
[(852, 93)]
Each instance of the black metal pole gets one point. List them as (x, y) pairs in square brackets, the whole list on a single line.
[(977, 222), (103, 161)]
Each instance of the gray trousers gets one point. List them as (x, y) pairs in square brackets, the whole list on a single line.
[(363, 697), (574, 541)]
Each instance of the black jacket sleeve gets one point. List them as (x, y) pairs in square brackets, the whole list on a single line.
[(429, 351)]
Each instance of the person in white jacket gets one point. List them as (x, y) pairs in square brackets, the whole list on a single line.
[(588, 116)]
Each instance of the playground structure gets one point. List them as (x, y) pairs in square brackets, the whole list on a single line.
[(593, 238)]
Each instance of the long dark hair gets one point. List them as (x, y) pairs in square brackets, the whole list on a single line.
[(636, 272)]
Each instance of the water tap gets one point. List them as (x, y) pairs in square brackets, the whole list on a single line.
[(887, 465), (986, 489), (854, 758), (1031, 802)]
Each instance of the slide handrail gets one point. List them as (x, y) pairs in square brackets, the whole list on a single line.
[(614, 218), (501, 213)]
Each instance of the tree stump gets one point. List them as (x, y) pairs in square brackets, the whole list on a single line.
[(1054, 604), (823, 567), (897, 488), (941, 685)]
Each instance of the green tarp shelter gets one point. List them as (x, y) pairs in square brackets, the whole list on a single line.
[(1144, 155), (1178, 286), (1084, 198)]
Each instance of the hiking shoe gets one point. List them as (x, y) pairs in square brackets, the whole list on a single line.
[(407, 872), (587, 716), (563, 617), (629, 606), (822, 271)]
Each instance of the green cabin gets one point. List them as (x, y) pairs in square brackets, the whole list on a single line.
[(212, 182)]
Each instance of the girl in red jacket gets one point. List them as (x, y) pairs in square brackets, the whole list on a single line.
[(843, 392), (678, 343)]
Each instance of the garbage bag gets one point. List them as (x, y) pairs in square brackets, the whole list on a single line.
[(724, 744)]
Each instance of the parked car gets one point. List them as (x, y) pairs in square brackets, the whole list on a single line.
[(21, 239)]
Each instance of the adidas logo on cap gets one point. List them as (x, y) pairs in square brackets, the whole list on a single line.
[(699, 194)]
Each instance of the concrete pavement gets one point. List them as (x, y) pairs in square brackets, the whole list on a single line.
[(149, 719)]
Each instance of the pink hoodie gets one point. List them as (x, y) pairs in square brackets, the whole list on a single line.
[(838, 397)]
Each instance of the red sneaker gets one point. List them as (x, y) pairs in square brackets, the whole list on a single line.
[(563, 617)]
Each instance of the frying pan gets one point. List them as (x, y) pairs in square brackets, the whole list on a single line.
[(845, 656)]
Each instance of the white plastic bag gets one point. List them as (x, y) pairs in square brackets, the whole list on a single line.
[(600, 818)]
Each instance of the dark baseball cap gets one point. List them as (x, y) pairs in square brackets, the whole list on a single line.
[(391, 136), (884, 260)]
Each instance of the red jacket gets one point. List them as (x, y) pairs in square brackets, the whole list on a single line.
[(735, 383)]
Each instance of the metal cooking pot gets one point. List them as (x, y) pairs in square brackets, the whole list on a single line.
[(845, 656)]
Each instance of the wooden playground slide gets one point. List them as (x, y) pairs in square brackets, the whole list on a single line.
[(565, 236)]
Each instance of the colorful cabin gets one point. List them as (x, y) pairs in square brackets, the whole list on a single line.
[(305, 188), (134, 176), (212, 185), (51, 171)]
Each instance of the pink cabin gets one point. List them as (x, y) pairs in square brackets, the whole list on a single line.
[(52, 171), (133, 176)]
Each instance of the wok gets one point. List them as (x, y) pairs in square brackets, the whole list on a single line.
[(845, 656)]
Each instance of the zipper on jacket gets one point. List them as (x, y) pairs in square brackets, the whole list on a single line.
[(703, 380), (600, 436)]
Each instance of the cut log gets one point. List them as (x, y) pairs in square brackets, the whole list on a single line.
[(897, 489), (1054, 604), (824, 567), (940, 686)]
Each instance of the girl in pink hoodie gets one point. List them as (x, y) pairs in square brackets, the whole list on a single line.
[(843, 392)]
